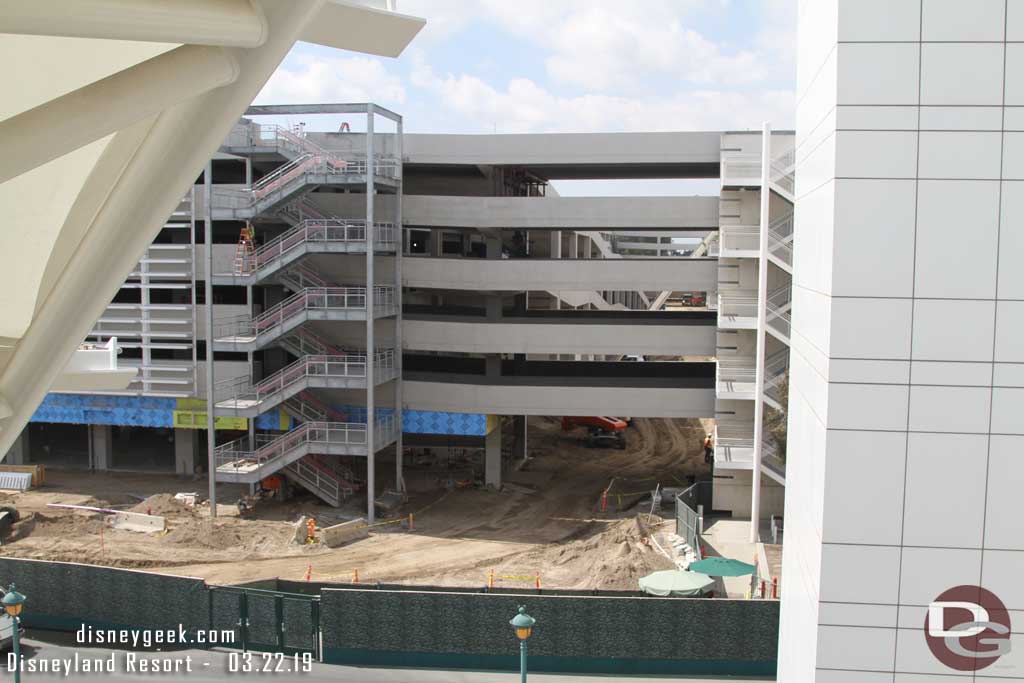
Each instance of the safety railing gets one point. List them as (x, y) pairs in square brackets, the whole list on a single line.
[(781, 171), (346, 366), (777, 310), (238, 457), (739, 238), (298, 167), (770, 457), (299, 210), (776, 373), (319, 479), (780, 239), (312, 298), (739, 303), (315, 231)]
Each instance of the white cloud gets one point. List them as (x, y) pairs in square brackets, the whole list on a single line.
[(606, 44), (310, 78), (523, 106)]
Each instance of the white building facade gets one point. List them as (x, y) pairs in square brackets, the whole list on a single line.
[(905, 432)]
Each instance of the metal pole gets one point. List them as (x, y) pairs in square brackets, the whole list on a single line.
[(17, 651), (762, 297), (370, 308), (211, 439), (522, 661), (399, 248)]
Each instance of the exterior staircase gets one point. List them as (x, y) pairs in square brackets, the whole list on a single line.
[(308, 372), (311, 236), (243, 462), (309, 303)]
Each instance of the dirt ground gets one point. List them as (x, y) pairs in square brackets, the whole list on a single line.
[(547, 520)]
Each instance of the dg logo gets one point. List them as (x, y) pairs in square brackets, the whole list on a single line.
[(967, 628)]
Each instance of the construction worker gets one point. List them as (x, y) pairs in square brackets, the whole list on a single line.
[(311, 530), (709, 450)]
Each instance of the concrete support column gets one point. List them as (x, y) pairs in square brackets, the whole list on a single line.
[(186, 443), (18, 453), (492, 455), (494, 307), (102, 437), (519, 430), (575, 244), (493, 365), (493, 245), (556, 244)]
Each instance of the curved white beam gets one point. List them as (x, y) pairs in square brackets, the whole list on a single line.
[(161, 159), (92, 112), (234, 23)]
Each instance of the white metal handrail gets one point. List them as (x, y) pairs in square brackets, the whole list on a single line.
[(320, 479), (238, 455), (314, 231), (352, 365), (311, 298), (777, 310)]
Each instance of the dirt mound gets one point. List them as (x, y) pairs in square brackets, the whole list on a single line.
[(230, 535), (615, 558), (162, 504), (60, 525)]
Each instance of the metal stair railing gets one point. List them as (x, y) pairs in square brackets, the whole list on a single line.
[(318, 231), (775, 373), (777, 309), (310, 298), (318, 481), (303, 342), (781, 171), (352, 365), (237, 457), (780, 239)]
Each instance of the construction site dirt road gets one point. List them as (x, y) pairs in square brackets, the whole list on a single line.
[(547, 523)]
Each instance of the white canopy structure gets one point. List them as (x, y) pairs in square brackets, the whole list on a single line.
[(111, 108)]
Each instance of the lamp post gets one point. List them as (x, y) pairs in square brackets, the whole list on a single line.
[(523, 624), (13, 602)]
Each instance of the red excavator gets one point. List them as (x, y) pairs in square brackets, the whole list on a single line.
[(602, 431)]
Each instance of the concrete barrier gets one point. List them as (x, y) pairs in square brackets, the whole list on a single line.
[(136, 521), (340, 534)]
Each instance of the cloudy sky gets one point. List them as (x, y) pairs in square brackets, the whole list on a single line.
[(483, 66)]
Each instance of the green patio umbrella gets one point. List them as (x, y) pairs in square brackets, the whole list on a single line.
[(722, 566), (675, 583)]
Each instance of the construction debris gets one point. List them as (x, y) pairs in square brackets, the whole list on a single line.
[(135, 521), (38, 472), (187, 498), (346, 532)]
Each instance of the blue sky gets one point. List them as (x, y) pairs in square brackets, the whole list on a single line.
[(483, 66)]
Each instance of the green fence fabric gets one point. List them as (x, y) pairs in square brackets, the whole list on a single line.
[(63, 596), (576, 631), (640, 635)]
